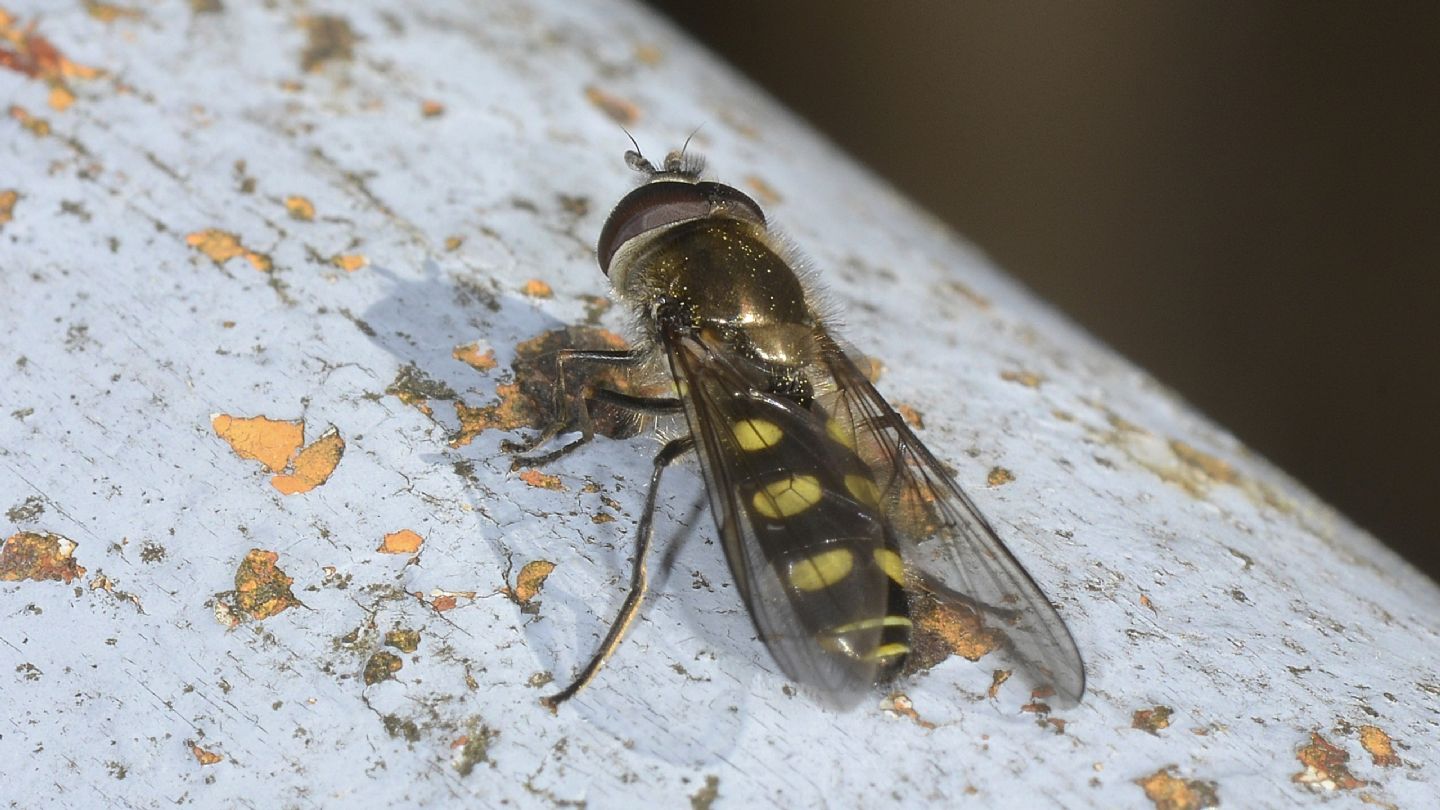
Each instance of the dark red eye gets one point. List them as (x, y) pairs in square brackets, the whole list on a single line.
[(665, 202)]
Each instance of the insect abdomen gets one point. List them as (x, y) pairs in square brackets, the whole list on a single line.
[(816, 515)]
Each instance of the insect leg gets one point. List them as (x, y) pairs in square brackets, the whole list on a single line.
[(577, 417), (639, 579)]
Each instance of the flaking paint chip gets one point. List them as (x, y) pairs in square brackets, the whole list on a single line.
[(1169, 792), (262, 589), (34, 124), (8, 198), (204, 756), (1325, 766), (349, 262), (535, 288), (911, 415), (470, 355), (300, 208), (999, 476), (31, 54), (1029, 379), (39, 556), (620, 111), (404, 541), (1379, 746), (271, 442), (313, 466), (382, 666), (1152, 719), (221, 246), (530, 579), (540, 480)]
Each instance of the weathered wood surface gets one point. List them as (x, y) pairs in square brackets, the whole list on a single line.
[(301, 211)]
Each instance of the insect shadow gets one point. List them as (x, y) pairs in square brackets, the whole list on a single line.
[(694, 653)]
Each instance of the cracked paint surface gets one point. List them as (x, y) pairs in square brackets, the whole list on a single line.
[(178, 184)]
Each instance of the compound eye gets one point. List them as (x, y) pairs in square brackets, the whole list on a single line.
[(653, 205)]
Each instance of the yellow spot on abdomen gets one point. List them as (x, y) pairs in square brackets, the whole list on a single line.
[(756, 434), (871, 624), (822, 570), (787, 497), (864, 490), (891, 564), (887, 651)]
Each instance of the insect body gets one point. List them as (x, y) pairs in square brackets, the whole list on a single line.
[(834, 518)]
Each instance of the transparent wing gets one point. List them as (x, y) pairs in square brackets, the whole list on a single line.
[(723, 398), (945, 537)]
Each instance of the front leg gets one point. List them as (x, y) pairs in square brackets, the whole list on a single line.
[(574, 414)]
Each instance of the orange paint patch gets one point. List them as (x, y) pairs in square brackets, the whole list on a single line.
[(382, 666), (261, 588), (943, 629), (30, 54), (441, 601), (1325, 767), (1212, 467), (997, 679), (620, 111), (203, 756), (39, 127), (1169, 792), (349, 262), (109, 12), (1379, 746), (530, 400), (404, 640), (314, 465), (432, 109), (1151, 720), (60, 99), (222, 246), (999, 476), (1025, 378), (911, 416), (540, 480), (872, 367), (535, 288), (38, 556), (901, 704), (404, 541), (328, 38), (300, 208), (529, 581), (453, 243), (514, 410), (268, 441), (763, 190), (470, 355), (8, 198)]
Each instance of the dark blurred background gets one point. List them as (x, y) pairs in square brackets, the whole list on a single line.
[(1242, 198)]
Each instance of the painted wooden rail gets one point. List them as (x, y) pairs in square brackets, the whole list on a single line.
[(265, 273)]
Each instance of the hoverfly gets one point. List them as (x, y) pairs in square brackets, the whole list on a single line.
[(834, 517)]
